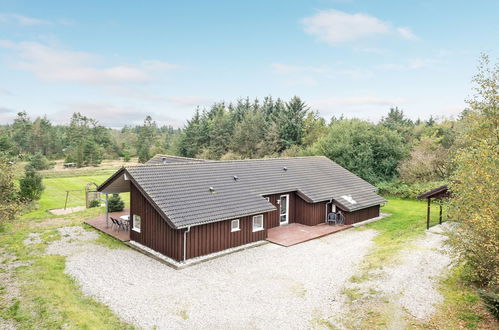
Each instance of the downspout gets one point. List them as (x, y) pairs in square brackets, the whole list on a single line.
[(185, 242), (330, 201), (107, 211)]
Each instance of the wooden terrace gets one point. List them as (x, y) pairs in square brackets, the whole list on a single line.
[(296, 233), (100, 224)]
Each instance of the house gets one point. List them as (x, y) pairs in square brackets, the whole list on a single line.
[(186, 209)]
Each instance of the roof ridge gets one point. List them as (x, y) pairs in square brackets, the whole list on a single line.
[(209, 161)]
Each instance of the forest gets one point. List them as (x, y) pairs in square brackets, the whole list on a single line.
[(394, 149)]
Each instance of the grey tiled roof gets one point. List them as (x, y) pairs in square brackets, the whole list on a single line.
[(182, 190), (167, 159)]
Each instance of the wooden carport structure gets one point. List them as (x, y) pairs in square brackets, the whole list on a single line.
[(437, 193)]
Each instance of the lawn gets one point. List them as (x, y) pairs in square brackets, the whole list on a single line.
[(54, 195), (407, 221)]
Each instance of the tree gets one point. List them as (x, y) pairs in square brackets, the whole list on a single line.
[(86, 141), (314, 127), (291, 122), (475, 185), (146, 139), (40, 162), (370, 151), (397, 121), (115, 203), (21, 133), (428, 161), (10, 204), (31, 185), (248, 134)]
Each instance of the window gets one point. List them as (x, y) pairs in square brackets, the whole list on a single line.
[(258, 222), (136, 223), (234, 225)]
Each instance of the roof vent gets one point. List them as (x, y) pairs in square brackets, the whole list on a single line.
[(163, 160), (285, 168), (236, 178), (212, 190)]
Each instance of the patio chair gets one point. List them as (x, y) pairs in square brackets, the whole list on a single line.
[(331, 218), (119, 223), (114, 223), (335, 218)]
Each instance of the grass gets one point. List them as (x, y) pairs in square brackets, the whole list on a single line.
[(406, 222), (462, 307), (54, 195), (49, 298)]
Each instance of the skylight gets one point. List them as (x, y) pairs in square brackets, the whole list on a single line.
[(349, 199)]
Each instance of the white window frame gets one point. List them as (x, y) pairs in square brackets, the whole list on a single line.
[(287, 210), (259, 228), (134, 223), (232, 229)]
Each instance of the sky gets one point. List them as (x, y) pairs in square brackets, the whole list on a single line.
[(119, 61)]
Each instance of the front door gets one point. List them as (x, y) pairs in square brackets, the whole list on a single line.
[(284, 210)]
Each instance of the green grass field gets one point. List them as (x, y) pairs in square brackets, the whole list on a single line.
[(54, 195)]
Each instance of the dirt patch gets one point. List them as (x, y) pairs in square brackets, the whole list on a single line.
[(68, 210)]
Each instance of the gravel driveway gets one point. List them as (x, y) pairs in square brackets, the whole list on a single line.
[(264, 287)]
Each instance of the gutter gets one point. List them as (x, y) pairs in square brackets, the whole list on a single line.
[(330, 201), (185, 242)]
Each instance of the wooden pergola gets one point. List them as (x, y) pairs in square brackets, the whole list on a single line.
[(437, 193)]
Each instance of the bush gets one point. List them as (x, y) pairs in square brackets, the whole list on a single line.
[(31, 185), (115, 204), (40, 162), (491, 301), (94, 203), (402, 189)]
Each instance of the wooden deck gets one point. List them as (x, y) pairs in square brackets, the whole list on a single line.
[(296, 233), (99, 223)]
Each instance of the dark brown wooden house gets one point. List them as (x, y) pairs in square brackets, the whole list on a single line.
[(187, 209)]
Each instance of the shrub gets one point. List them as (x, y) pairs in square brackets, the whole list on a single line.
[(115, 203), (94, 203), (406, 190), (491, 301), (40, 162), (31, 185)]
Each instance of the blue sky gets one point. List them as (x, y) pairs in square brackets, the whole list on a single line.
[(118, 61)]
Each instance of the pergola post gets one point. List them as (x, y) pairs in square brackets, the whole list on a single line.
[(107, 212), (428, 215), (440, 215)]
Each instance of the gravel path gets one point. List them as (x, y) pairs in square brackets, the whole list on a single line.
[(264, 287), (410, 286)]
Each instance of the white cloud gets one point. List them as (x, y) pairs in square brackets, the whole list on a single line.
[(22, 20), (281, 68), (406, 33), (56, 64), (4, 110), (334, 27), (411, 64), (354, 101), (190, 101), (4, 91), (112, 115)]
